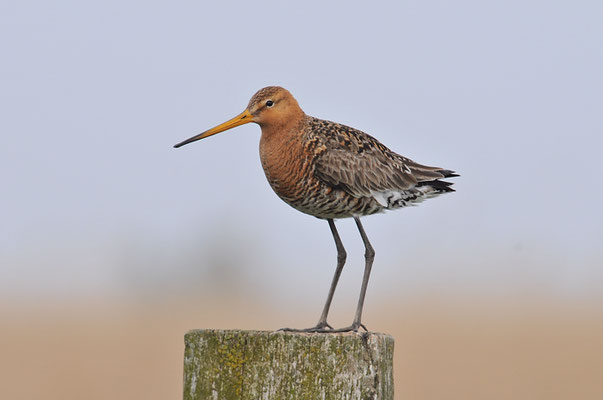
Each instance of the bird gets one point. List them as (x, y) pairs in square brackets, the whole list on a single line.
[(332, 171)]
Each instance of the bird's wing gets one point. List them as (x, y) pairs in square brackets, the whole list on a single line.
[(359, 164)]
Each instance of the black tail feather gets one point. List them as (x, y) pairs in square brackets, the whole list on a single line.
[(441, 186), (448, 173)]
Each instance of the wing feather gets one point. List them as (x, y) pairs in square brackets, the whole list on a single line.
[(359, 164)]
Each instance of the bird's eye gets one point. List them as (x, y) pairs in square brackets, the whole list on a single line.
[(269, 103)]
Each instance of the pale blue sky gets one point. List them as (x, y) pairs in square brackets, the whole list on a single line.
[(96, 200)]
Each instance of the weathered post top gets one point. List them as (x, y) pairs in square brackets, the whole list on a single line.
[(254, 365)]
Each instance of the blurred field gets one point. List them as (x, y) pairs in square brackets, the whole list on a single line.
[(524, 349), (96, 202)]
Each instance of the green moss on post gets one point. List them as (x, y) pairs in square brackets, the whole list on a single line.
[(281, 365)]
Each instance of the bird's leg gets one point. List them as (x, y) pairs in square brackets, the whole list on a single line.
[(341, 257), (322, 325), (369, 256)]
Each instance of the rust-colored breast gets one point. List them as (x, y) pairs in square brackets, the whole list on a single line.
[(287, 164)]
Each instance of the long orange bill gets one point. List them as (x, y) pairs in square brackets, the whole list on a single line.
[(243, 118)]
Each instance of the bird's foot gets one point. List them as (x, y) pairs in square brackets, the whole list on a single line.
[(352, 328), (326, 328), (321, 327)]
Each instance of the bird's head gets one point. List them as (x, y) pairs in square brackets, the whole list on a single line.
[(271, 107)]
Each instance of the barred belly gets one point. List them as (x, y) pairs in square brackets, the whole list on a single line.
[(324, 202)]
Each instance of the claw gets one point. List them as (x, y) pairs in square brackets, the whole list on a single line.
[(352, 328), (319, 328)]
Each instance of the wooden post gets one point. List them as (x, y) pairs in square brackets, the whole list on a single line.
[(225, 365)]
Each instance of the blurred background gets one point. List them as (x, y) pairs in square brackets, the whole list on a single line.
[(113, 244)]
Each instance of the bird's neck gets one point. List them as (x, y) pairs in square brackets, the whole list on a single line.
[(280, 126)]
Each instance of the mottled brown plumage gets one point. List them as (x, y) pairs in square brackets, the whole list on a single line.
[(332, 171)]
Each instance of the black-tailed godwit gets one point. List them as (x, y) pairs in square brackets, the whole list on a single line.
[(332, 171)]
